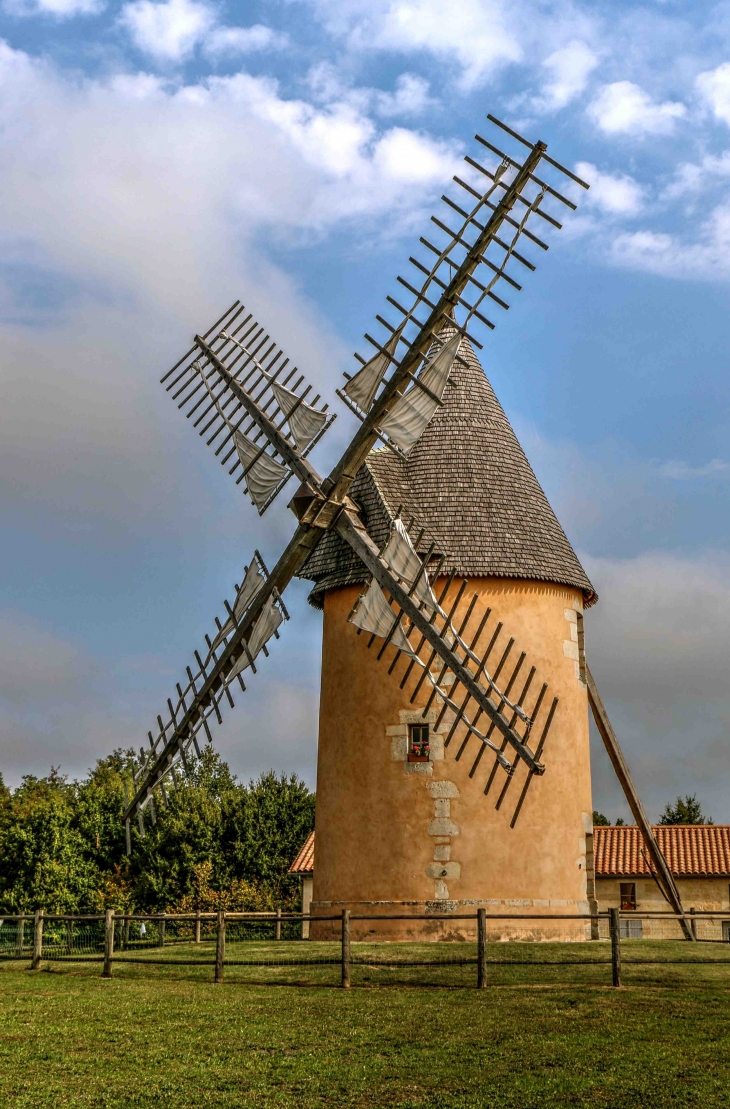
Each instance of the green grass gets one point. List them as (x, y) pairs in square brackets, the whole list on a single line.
[(279, 1037)]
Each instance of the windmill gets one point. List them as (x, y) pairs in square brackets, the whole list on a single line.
[(450, 625)]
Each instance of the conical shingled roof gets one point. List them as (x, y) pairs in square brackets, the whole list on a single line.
[(468, 483)]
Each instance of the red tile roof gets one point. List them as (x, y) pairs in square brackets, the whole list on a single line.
[(304, 862), (702, 850)]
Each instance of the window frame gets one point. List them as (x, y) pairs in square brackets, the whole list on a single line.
[(416, 745), (630, 899)]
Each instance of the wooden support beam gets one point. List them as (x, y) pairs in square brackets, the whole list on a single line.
[(610, 742)]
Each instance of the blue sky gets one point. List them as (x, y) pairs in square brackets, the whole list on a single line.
[(160, 159)]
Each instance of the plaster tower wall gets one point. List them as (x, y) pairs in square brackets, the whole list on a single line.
[(399, 837)]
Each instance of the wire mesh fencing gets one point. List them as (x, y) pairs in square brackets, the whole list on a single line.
[(469, 949)]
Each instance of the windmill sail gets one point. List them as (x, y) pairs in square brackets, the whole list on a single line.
[(362, 387), (401, 558), (266, 626), (373, 614), (238, 385), (305, 422), (252, 582), (252, 622), (262, 473), (406, 422)]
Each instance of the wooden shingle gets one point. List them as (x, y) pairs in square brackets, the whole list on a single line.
[(468, 483)]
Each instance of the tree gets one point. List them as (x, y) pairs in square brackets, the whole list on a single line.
[(685, 810), (216, 844), (599, 820)]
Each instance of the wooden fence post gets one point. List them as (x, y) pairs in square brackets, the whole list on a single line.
[(346, 949), (20, 937), (108, 943), (481, 949), (37, 940), (278, 923), (615, 947), (693, 923), (125, 933), (69, 937), (593, 908), (161, 926), (197, 926), (220, 947)]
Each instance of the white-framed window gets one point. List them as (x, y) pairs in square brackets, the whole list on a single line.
[(419, 745)]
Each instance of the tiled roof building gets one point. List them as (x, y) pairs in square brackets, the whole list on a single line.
[(691, 850), (304, 862)]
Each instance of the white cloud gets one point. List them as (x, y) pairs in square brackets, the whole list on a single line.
[(692, 178), (616, 194), (569, 69), (477, 34), (626, 109), (153, 223), (480, 36), (243, 40), (410, 98), (707, 257), (58, 9), (714, 88), (682, 471), (167, 31)]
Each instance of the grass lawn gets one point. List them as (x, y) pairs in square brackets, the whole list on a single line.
[(539, 1036)]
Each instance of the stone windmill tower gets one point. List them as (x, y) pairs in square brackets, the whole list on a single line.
[(411, 810), (453, 748)]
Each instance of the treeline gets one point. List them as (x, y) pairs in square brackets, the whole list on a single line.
[(219, 844), (685, 810)]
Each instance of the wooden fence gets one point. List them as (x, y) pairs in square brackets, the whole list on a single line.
[(218, 940)]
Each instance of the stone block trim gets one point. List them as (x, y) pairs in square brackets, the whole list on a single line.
[(572, 646), (443, 789), (442, 827)]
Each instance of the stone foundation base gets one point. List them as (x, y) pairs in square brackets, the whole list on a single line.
[(401, 929)]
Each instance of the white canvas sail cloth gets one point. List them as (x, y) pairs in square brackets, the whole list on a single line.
[(402, 560), (362, 387), (252, 582), (373, 614), (410, 416), (304, 421), (264, 475), (263, 629)]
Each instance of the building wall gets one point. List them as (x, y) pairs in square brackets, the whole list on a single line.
[(399, 837), (307, 886), (696, 893)]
